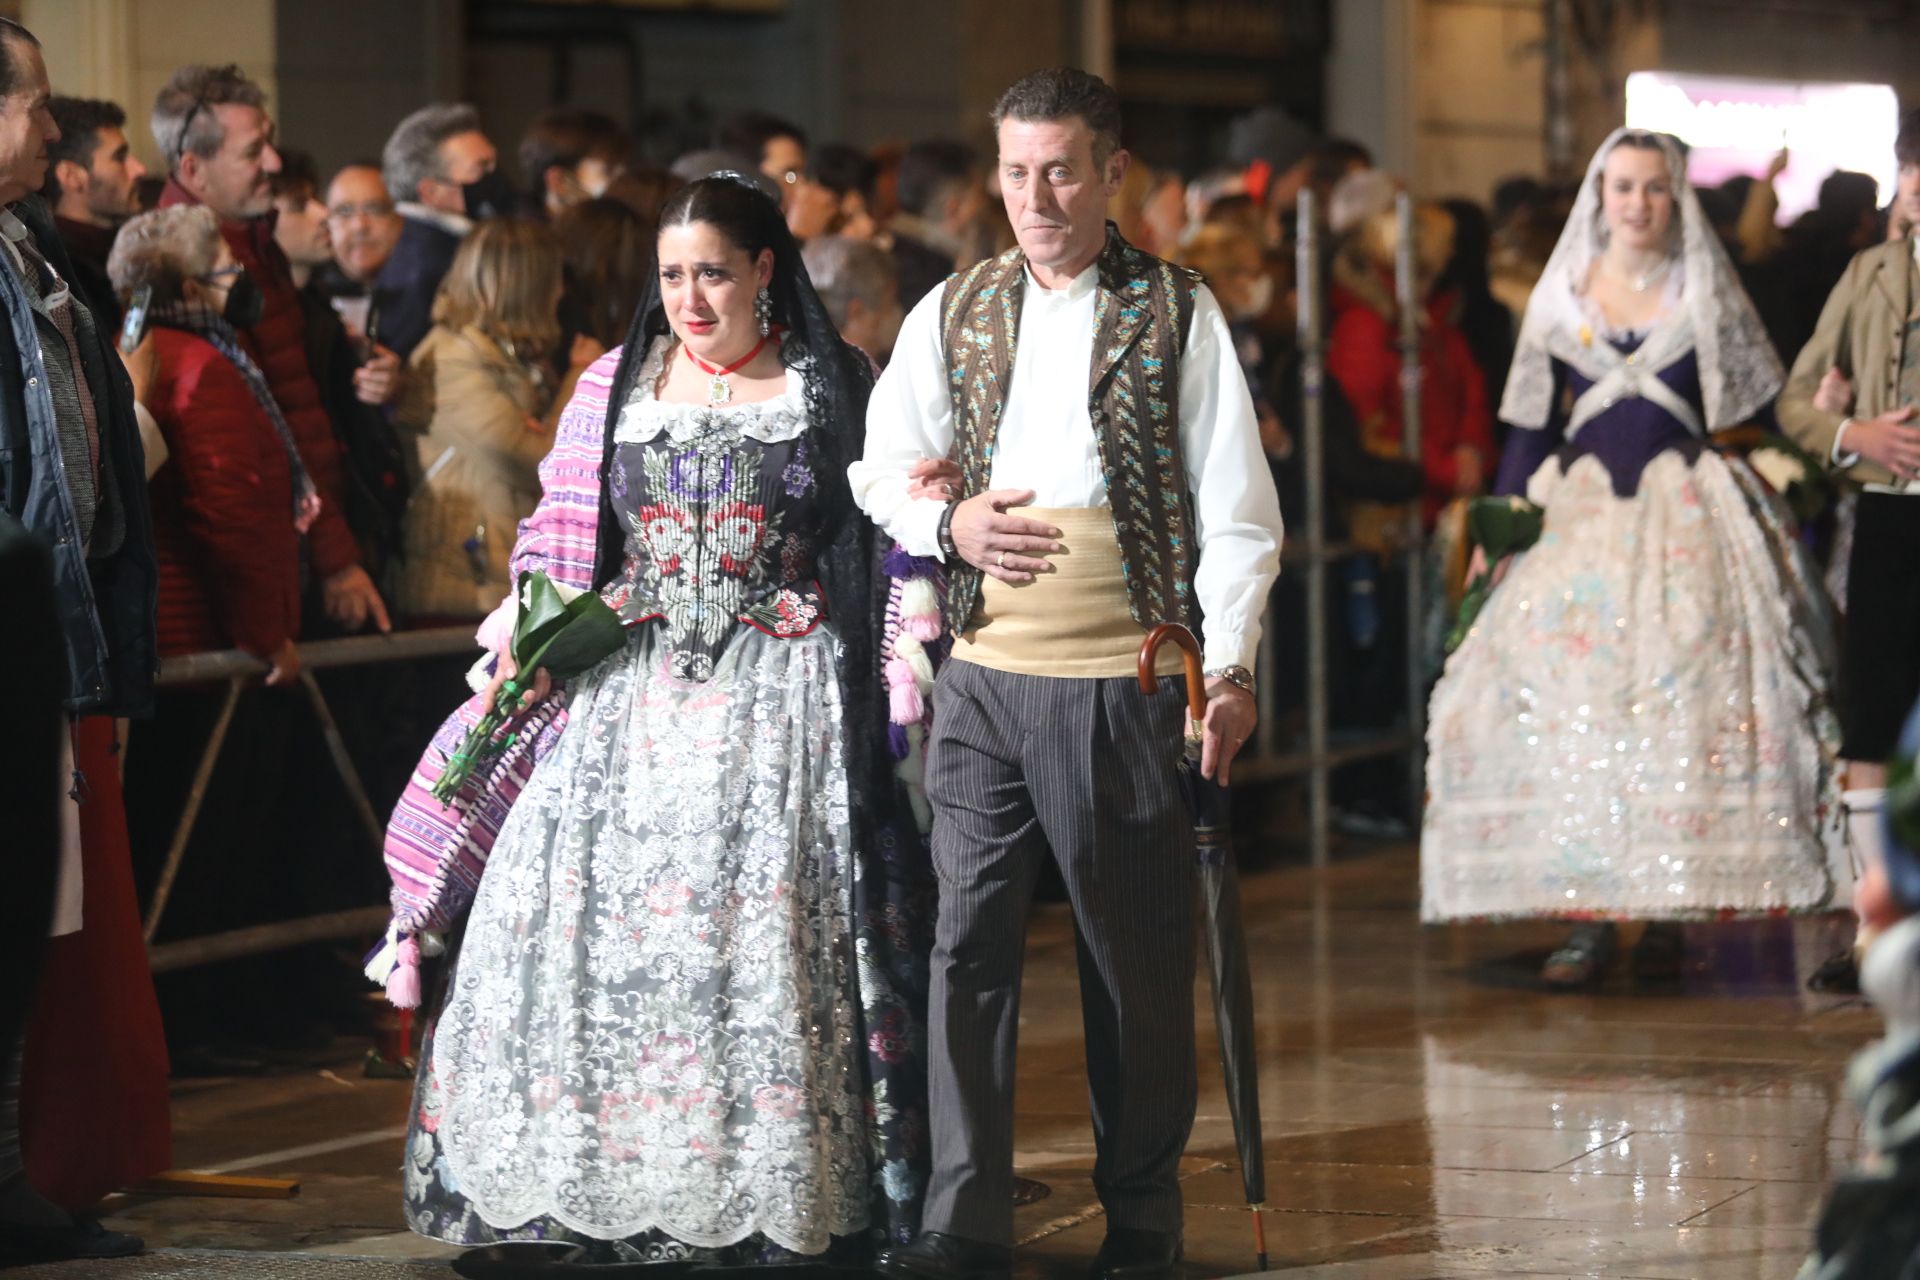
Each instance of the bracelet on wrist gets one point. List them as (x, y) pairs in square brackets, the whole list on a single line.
[(944, 534)]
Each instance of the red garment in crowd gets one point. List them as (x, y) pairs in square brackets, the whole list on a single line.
[(223, 530), (1363, 355), (94, 1111), (279, 346)]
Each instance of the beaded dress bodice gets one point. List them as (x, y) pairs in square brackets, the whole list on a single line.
[(722, 513)]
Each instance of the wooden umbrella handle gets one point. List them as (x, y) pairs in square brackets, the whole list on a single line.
[(1189, 651)]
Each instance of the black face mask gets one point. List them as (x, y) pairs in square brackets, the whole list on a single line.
[(488, 196), (245, 303)]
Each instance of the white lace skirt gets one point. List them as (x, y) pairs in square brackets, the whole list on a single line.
[(1639, 724), (651, 1027)]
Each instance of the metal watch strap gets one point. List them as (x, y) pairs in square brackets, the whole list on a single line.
[(1234, 675)]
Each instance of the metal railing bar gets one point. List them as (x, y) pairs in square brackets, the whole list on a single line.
[(317, 655), (260, 939)]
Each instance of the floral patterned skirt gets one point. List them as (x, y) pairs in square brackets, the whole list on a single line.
[(651, 1034), (1639, 725)]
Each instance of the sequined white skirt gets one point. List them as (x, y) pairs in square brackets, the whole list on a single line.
[(1639, 724)]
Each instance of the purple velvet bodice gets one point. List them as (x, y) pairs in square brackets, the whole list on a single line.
[(1624, 436)]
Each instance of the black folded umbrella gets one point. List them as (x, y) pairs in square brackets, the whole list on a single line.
[(1226, 932)]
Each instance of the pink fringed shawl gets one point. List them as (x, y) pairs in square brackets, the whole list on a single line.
[(435, 852)]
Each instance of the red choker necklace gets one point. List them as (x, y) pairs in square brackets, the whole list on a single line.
[(719, 390)]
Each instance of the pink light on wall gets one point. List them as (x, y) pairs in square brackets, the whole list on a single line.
[(1736, 126)]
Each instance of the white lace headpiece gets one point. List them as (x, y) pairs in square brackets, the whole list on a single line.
[(1739, 372)]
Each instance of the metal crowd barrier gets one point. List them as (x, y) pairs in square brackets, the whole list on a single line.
[(239, 669), (1309, 550)]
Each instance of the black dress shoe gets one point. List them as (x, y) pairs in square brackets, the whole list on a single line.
[(1129, 1254), (938, 1256), (82, 1238)]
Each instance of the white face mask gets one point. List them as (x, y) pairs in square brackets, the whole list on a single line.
[(1259, 298)]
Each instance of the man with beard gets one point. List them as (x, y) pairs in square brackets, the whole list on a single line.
[(91, 176)]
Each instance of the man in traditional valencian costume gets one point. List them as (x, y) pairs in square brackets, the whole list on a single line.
[(1111, 479)]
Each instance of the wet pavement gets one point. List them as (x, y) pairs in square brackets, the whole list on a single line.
[(1429, 1111)]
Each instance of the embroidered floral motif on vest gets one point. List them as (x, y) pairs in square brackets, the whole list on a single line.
[(1142, 310)]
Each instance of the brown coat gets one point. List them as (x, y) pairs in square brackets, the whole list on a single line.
[(1859, 334), (478, 461)]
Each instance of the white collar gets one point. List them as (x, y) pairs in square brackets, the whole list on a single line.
[(453, 223), (1077, 288), (11, 226)]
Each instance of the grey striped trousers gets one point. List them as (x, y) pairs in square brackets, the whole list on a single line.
[(1019, 765)]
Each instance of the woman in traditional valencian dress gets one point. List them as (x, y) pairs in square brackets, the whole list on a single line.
[(652, 1045), (1638, 726)]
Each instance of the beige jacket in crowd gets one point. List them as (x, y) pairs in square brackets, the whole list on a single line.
[(1859, 334), (477, 409)]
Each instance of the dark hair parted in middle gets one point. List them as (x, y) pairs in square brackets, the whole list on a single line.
[(740, 211), (1060, 93)]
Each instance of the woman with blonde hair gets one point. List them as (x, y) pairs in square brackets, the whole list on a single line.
[(480, 391)]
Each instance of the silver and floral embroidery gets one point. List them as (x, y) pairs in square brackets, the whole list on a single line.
[(712, 499)]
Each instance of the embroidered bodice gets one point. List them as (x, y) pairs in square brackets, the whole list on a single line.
[(722, 513)]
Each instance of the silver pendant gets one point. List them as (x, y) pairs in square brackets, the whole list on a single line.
[(719, 391)]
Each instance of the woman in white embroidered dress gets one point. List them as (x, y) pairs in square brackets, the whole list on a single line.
[(650, 1047), (1638, 726)]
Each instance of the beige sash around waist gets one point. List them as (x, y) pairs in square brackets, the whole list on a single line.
[(1075, 621)]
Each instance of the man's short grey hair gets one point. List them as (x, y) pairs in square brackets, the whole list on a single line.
[(184, 118), (413, 152), (843, 269), (1061, 93), (163, 249)]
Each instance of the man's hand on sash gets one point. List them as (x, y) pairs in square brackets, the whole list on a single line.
[(1003, 546), (1230, 719)]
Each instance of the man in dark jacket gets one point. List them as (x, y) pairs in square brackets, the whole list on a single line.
[(71, 473), (92, 174), (213, 128), (356, 376), (442, 171)]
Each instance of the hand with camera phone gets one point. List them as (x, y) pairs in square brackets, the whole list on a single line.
[(377, 380), (136, 343)]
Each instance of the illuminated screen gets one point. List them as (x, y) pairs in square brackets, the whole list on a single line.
[(1736, 126)]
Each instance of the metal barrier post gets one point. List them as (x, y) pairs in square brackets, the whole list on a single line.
[(342, 762), (1407, 291), (236, 668), (1313, 457), (190, 812)]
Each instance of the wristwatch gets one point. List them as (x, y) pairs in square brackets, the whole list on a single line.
[(944, 535), (1233, 675)]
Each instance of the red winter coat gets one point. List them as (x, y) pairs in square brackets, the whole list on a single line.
[(222, 507), (1363, 355), (278, 345)]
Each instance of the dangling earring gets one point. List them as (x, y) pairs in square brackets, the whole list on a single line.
[(763, 310)]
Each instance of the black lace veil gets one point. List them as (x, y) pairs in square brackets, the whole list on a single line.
[(895, 882)]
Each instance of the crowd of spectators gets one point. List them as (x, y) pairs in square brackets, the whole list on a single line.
[(349, 378)]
